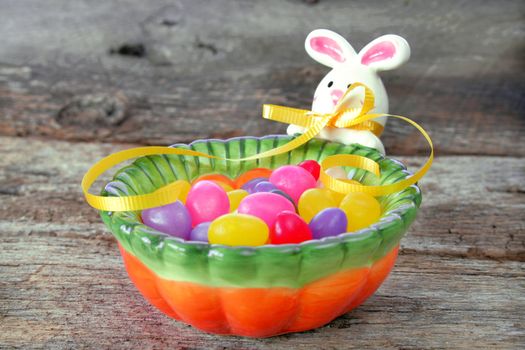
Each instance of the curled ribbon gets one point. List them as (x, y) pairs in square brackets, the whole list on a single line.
[(354, 118)]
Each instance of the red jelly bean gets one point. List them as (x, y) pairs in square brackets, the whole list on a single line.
[(312, 166), (289, 228)]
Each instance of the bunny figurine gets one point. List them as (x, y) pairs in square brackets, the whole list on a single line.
[(384, 53)]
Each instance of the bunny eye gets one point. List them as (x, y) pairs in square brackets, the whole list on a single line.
[(330, 84)]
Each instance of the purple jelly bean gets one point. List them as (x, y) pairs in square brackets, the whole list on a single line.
[(328, 222), (173, 219), (264, 186), (200, 232), (250, 185)]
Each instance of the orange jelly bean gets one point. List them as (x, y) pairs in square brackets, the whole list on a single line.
[(225, 182), (252, 174)]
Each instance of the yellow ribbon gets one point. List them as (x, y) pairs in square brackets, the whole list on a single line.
[(354, 118)]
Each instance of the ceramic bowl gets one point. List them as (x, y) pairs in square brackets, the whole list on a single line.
[(257, 291)]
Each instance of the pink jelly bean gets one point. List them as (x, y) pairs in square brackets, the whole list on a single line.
[(207, 201), (265, 205), (293, 180)]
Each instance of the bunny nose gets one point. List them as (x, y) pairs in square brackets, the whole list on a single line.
[(336, 95)]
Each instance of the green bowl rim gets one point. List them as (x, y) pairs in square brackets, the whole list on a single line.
[(388, 218)]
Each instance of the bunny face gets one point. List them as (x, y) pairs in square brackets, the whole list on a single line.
[(332, 50), (338, 80)]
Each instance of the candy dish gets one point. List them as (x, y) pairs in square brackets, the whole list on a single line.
[(270, 289), (249, 287)]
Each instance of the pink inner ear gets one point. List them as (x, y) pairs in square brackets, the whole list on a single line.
[(379, 52), (327, 46)]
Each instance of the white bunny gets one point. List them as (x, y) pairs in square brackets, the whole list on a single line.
[(329, 48)]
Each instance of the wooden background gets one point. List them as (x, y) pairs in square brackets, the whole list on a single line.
[(81, 79)]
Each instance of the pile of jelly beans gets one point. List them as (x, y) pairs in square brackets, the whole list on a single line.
[(286, 205)]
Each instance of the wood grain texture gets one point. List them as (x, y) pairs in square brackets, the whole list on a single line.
[(205, 70), (459, 282), (81, 79), (463, 196), (74, 293)]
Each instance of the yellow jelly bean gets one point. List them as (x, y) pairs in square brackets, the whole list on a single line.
[(225, 186), (184, 192), (314, 200), (235, 198), (361, 209), (238, 229), (338, 196)]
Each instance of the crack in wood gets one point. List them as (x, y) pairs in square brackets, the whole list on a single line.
[(470, 253), (206, 46), (10, 191), (129, 49)]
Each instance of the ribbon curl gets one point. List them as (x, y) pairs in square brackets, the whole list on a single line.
[(353, 118)]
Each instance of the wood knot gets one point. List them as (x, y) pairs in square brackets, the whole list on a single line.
[(134, 50), (103, 108)]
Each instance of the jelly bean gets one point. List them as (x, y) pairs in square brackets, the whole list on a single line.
[(250, 185), (285, 195), (225, 182), (252, 174), (186, 187), (293, 180), (264, 186), (361, 209), (328, 222), (312, 167), (225, 187), (235, 197), (200, 232), (337, 196), (265, 205), (207, 201), (238, 229), (313, 201), (289, 228), (173, 219)]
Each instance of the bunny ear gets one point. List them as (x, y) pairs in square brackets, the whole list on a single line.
[(328, 48), (385, 53)]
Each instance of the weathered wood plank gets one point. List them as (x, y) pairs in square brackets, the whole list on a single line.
[(73, 292), (459, 281), (157, 73), (472, 206), (200, 78)]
